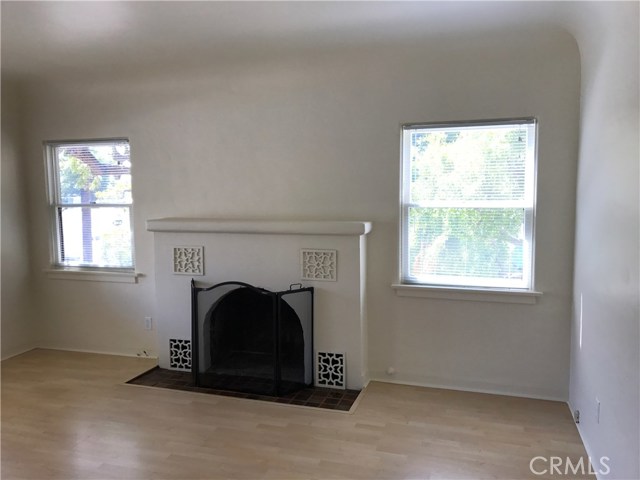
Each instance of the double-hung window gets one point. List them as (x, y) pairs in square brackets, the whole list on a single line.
[(467, 204), (90, 204)]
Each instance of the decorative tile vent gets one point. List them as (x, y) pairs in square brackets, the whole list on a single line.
[(319, 265), (188, 260), (180, 354), (330, 370)]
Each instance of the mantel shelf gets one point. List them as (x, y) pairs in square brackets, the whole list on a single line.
[(295, 227)]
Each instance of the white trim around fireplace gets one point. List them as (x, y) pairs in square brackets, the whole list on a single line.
[(268, 254), (293, 227)]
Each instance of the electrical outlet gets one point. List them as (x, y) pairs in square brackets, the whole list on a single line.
[(148, 323), (597, 410)]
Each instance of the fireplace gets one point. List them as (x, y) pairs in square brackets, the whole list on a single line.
[(250, 339), (329, 256)]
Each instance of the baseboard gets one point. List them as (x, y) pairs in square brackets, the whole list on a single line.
[(98, 352), (584, 440), (19, 352), (378, 377), (476, 387)]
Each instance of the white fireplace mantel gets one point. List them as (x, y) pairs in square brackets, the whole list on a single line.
[(269, 254), (295, 227)]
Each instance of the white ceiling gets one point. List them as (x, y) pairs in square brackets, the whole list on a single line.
[(60, 38)]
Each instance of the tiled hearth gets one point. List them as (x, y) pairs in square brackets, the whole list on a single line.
[(327, 398)]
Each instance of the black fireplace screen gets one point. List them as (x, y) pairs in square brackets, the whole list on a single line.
[(249, 339)]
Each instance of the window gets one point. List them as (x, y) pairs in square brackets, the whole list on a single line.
[(90, 200), (467, 204)]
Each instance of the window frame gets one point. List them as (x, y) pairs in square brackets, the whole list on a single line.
[(58, 268), (406, 286)]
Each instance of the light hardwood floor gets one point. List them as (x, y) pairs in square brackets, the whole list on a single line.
[(69, 416)]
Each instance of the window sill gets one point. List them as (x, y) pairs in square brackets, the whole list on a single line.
[(89, 275), (529, 297)]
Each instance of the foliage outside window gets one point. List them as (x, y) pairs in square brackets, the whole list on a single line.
[(90, 198), (468, 195)]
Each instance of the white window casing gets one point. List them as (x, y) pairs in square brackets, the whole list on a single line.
[(90, 202), (468, 207)]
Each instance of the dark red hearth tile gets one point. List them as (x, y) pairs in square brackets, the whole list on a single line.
[(327, 398)]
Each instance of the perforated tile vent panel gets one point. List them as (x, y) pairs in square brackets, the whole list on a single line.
[(180, 354), (188, 260), (331, 370), (319, 265)]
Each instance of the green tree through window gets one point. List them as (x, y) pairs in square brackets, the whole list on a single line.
[(91, 203), (467, 204)]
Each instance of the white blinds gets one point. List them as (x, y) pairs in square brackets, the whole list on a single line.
[(468, 194), (92, 203)]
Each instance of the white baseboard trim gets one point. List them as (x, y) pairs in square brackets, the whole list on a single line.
[(376, 377), (477, 387), (97, 352), (584, 440), (15, 354)]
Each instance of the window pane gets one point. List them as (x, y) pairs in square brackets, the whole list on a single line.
[(95, 236), (467, 246), (94, 173), (466, 164), (468, 204)]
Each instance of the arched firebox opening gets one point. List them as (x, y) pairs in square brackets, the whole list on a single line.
[(253, 340)]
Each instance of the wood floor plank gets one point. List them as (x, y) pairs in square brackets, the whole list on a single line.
[(68, 415)]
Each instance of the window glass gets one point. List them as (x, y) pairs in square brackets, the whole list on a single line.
[(91, 203), (468, 204)]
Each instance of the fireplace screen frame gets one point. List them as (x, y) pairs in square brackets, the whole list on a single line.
[(301, 303)]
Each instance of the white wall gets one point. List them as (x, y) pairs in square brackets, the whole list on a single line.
[(316, 136), (18, 329), (605, 360)]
